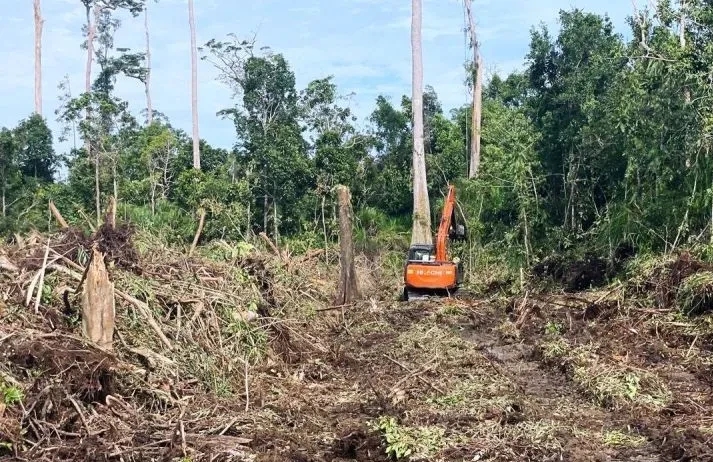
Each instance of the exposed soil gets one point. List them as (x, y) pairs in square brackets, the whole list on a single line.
[(592, 376)]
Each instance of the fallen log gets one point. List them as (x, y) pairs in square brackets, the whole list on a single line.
[(58, 216), (7, 265)]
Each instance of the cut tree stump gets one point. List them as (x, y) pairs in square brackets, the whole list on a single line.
[(98, 304), (348, 290)]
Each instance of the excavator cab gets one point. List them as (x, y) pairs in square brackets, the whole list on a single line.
[(428, 270)]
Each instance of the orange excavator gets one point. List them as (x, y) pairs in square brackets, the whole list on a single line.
[(428, 271)]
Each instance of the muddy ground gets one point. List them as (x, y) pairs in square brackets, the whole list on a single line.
[(612, 374)]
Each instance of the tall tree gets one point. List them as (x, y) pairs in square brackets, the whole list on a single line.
[(99, 19), (39, 22), (477, 74), (147, 79), (194, 87), (421, 230)]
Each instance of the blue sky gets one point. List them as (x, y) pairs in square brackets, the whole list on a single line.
[(365, 44)]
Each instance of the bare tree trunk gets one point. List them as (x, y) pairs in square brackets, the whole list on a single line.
[(115, 185), (98, 304), (147, 82), (199, 230), (682, 25), (97, 188), (39, 22), (682, 40), (265, 211), (476, 114), (348, 288), (91, 33), (421, 231), (194, 87), (276, 236)]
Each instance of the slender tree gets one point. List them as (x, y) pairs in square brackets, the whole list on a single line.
[(39, 22), (147, 78), (194, 86), (421, 231), (476, 114), (91, 34)]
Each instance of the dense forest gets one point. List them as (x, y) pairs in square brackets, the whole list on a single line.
[(598, 141)]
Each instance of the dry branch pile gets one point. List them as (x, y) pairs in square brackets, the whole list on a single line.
[(197, 343)]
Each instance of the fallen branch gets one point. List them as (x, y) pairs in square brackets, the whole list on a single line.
[(201, 223), (146, 311), (152, 357), (36, 279), (414, 374), (42, 277), (272, 246), (7, 265), (58, 216)]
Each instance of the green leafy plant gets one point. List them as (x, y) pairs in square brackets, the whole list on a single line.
[(553, 328), (11, 394), (403, 442)]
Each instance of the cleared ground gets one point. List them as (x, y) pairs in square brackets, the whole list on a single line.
[(614, 374)]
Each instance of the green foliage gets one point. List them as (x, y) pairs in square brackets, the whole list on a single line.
[(11, 394), (599, 140), (404, 442)]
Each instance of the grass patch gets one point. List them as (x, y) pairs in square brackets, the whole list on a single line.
[(475, 396), (695, 295), (619, 439), (608, 385)]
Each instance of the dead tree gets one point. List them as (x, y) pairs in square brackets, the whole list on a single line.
[(194, 87), (421, 231), (39, 22), (348, 288), (98, 304), (147, 80), (474, 164)]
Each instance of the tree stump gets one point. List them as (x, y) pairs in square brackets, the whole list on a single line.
[(348, 290), (98, 304)]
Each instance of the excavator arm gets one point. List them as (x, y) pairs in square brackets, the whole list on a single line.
[(449, 227)]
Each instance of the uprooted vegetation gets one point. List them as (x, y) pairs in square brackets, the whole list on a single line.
[(236, 354)]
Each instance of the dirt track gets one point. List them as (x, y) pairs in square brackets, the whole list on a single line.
[(463, 386)]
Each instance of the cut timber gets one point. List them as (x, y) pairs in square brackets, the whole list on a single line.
[(7, 265), (98, 305), (348, 288), (58, 216), (272, 245)]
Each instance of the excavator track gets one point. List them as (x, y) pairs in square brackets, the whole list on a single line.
[(411, 295)]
